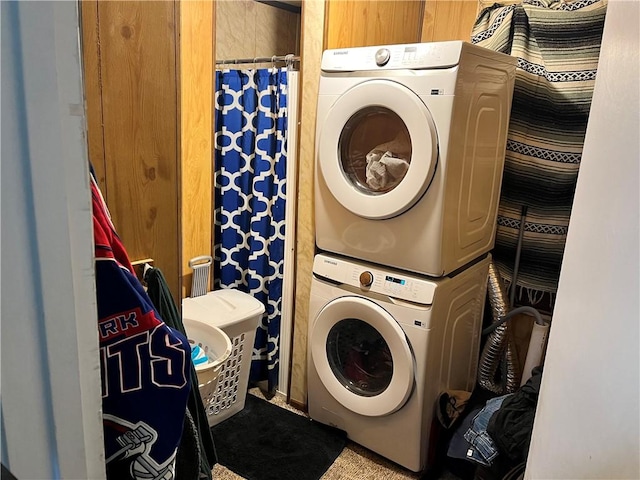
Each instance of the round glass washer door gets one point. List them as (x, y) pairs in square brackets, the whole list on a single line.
[(378, 149), (362, 356)]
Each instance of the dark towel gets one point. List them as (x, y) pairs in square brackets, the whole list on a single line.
[(165, 305), (511, 426)]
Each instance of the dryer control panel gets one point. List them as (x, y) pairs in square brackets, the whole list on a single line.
[(367, 277), (391, 57)]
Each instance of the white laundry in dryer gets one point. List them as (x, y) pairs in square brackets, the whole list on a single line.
[(410, 147), (382, 344)]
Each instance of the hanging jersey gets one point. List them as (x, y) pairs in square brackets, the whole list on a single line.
[(145, 365)]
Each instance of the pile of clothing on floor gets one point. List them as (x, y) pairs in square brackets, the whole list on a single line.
[(489, 440)]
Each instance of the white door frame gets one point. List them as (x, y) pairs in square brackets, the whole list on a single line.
[(289, 274), (50, 399)]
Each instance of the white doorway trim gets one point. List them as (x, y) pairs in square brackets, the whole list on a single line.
[(51, 403), (289, 274)]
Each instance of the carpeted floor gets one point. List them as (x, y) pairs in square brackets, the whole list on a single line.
[(354, 463)]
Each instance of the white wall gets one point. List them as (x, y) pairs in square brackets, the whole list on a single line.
[(587, 423), (50, 399)]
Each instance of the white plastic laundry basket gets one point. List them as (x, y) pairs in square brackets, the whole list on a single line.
[(217, 347), (237, 314)]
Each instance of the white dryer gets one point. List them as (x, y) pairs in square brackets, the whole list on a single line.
[(410, 152), (382, 344)]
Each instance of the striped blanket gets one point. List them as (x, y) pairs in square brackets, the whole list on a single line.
[(557, 44)]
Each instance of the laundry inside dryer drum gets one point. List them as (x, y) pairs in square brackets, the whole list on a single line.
[(375, 150), (359, 357)]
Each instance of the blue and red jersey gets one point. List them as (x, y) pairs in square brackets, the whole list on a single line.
[(145, 365)]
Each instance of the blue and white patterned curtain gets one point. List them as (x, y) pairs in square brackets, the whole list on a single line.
[(250, 180)]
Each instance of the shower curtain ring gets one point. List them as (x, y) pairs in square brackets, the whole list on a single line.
[(288, 59), (273, 61)]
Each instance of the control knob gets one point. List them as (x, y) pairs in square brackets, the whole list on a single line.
[(382, 57), (366, 279)]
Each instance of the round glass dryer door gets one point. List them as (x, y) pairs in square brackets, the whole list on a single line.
[(362, 356), (378, 149)]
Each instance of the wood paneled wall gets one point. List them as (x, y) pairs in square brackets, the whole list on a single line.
[(148, 75), (197, 44), (136, 55), (312, 46), (357, 23), (249, 29), (92, 90), (448, 20)]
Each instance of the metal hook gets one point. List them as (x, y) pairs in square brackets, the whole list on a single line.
[(273, 61), (288, 59)]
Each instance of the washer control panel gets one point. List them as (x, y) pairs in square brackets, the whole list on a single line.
[(390, 282), (366, 278)]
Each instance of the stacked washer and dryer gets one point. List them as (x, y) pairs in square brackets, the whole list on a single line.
[(409, 159)]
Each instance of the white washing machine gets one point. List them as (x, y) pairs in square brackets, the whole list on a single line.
[(382, 344), (410, 152)]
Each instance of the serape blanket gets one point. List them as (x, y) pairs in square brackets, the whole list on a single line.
[(557, 44)]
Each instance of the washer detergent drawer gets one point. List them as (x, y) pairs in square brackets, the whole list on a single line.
[(362, 356)]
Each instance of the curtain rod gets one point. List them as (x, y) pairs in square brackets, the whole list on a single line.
[(290, 58)]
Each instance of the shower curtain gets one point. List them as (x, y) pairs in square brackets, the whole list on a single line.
[(250, 189)]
